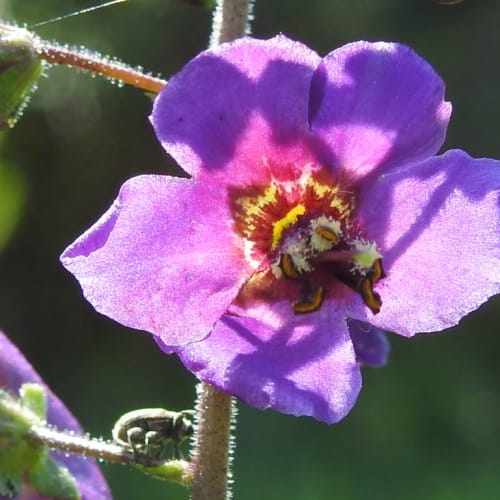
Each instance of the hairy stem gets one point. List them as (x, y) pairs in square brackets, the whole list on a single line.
[(210, 459), (176, 471), (97, 64), (81, 445), (231, 20), (213, 443)]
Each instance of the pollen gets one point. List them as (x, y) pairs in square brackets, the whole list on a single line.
[(365, 256), (285, 222), (301, 233), (325, 234)]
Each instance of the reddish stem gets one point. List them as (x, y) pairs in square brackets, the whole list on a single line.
[(99, 65)]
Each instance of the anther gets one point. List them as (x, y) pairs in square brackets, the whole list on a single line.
[(312, 302), (327, 234), (288, 267), (370, 298), (377, 271)]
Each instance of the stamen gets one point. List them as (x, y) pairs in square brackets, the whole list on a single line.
[(288, 267), (370, 298), (377, 271), (301, 229), (327, 234), (310, 303)]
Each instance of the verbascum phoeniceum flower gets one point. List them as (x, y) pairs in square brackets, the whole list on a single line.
[(314, 218)]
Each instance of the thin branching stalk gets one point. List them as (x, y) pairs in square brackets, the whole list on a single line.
[(82, 445), (112, 69), (176, 471)]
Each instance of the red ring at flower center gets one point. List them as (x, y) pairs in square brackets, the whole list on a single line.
[(301, 237)]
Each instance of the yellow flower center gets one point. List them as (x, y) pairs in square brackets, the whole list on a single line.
[(303, 236)]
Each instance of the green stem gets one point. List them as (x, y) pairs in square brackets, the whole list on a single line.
[(81, 445), (176, 471)]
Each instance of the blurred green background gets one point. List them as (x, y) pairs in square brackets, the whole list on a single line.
[(427, 426)]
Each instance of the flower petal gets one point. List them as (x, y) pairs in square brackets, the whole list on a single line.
[(162, 259), (15, 371), (438, 227), (302, 365), (378, 104), (204, 114), (370, 344)]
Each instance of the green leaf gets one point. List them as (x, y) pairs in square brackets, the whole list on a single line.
[(53, 480), (33, 398), (15, 457), (17, 454), (20, 69), (11, 482), (14, 420)]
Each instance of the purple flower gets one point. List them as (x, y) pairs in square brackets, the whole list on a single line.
[(316, 216), (15, 371)]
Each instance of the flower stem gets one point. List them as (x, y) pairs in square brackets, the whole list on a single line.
[(211, 454), (82, 445), (95, 63), (210, 458), (176, 471), (231, 20)]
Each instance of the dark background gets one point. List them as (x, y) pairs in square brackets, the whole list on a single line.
[(427, 426)]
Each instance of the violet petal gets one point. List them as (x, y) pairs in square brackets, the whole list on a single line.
[(437, 224), (370, 344), (162, 259), (288, 363), (230, 107), (377, 104)]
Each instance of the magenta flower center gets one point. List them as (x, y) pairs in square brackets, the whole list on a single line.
[(302, 237)]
